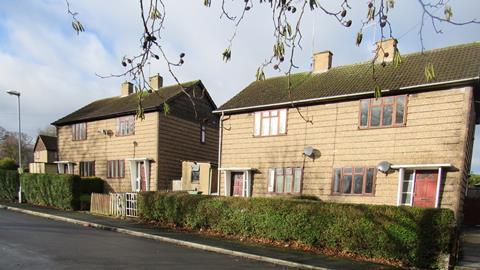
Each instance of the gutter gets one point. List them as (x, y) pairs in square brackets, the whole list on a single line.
[(340, 97)]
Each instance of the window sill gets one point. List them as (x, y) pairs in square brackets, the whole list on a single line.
[(267, 136), (382, 127), (352, 195)]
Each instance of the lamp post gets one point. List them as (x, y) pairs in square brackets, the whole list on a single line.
[(20, 168)]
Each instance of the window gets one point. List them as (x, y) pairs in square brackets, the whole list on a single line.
[(87, 168), (115, 168), (79, 131), (203, 134), (407, 188), (195, 177), (284, 180), (382, 112), (270, 123), (36, 156), (353, 180), (65, 168), (126, 125)]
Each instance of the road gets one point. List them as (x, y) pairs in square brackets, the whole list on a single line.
[(29, 242)]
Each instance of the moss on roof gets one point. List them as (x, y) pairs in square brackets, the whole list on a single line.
[(114, 106), (451, 63)]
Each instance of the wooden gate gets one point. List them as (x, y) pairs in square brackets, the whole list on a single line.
[(131, 204)]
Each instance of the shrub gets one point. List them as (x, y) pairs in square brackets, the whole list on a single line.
[(57, 190), (89, 185), (64, 191), (7, 164), (9, 183), (413, 236)]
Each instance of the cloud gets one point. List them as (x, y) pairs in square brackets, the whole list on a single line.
[(55, 69)]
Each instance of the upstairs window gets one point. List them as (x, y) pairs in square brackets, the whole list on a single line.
[(383, 112), (270, 123), (203, 134), (353, 181), (115, 169), (87, 168), (79, 131), (126, 125), (284, 180)]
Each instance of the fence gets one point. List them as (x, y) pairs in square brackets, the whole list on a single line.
[(114, 204)]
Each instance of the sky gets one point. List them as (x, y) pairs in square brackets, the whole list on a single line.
[(54, 68)]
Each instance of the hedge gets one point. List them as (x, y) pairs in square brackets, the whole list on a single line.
[(9, 183), (64, 191), (413, 236)]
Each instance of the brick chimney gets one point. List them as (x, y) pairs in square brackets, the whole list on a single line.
[(322, 61), (127, 88), (156, 82), (385, 50)]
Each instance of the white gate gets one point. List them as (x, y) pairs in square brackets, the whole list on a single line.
[(131, 204), (123, 204)]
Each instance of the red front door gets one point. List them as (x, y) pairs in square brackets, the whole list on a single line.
[(237, 184), (143, 183), (425, 191)]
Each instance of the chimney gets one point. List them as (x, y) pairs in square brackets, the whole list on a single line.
[(322, 61), (127, 88), (156, 82), (385, 50)]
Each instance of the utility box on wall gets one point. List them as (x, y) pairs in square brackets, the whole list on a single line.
[(200, 176)]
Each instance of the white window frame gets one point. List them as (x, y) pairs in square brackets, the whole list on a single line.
[(264, 121), (203, 133)]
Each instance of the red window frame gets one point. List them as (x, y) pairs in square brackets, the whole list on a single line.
[(382, 106), (118, 168), (79, 131), (352, 185), (128, 121), (83, 165), (284, 173)]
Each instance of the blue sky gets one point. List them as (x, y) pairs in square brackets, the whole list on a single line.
[(54, 68)]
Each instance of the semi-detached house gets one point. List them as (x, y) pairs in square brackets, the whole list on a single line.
[(105, 139), (330, 137)]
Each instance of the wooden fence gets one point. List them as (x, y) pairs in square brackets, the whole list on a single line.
[(100, 203), (114, 204)]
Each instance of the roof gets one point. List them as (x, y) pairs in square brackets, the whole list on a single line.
[(124, 105), (461, 62), (50, 142)]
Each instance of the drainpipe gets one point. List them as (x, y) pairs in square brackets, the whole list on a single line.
[(220, 132)]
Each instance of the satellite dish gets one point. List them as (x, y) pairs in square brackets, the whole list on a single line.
[(384, 166), (308, 151)]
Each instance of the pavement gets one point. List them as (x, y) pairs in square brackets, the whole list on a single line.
[(280, 257), (470, 249)]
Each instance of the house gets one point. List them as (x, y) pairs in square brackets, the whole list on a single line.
[(44, 155), (329, 137), (107, 140), (199, 177)]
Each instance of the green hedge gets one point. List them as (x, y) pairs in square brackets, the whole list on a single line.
[(63, 191), (413, 236), (9, 183)]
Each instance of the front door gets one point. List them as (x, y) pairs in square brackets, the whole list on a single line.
[(141, 172), (237, 184), (425, 192)]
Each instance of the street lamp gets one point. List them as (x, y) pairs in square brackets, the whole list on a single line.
[(20, 168)]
